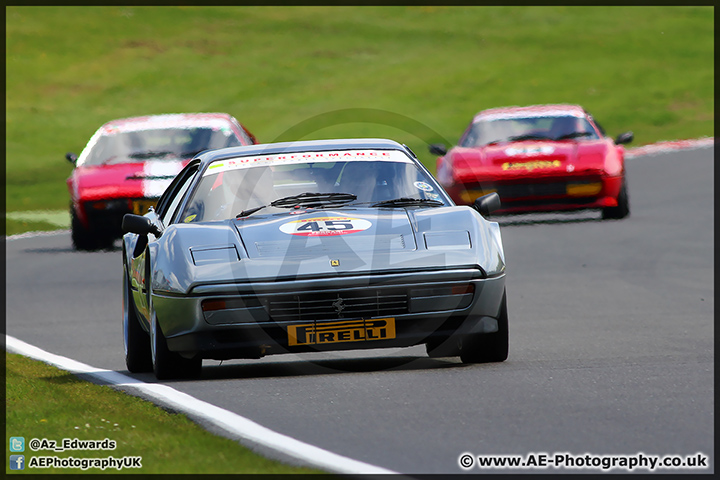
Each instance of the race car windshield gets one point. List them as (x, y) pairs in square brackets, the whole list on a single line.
[(241, 192), (502, 130), (158, 144)]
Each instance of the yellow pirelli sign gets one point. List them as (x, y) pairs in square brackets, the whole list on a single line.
[(530, 166), (345, 331)]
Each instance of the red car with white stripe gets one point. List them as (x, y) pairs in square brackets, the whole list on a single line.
[(537, 158), (128, 163)]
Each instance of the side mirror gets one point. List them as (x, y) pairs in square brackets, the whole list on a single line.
[(437, 149), (71, 157), (487, 203), (139, 225), (626, 137)]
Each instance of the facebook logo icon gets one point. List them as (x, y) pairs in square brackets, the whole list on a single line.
[(17, 462)]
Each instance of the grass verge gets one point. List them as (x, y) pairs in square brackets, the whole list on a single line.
[(44, 402), (646, 69), (15, 227)]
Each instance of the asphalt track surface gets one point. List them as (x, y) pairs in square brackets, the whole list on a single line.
[(611, 343)]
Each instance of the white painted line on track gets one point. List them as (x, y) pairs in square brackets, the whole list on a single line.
[(57, 218), (198, 409), (664, 147), (36, 234)]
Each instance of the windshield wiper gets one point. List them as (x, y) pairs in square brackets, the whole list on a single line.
[(574, 135), (307, 199), (314, 199), (150, 154), (408, 202), (249, 211), (530, 136)]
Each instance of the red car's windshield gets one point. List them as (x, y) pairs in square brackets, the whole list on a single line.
[(162, 144), (484, 132)]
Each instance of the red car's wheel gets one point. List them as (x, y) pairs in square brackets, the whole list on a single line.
[(85, 238), (82, 238), (623, 208)]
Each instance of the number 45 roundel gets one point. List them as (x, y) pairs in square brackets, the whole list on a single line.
[(324, 226)]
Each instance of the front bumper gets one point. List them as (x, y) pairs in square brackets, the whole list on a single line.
[(105, 216), (543, 194), (252, 320)]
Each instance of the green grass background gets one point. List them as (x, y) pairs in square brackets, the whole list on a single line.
[(420, 73)]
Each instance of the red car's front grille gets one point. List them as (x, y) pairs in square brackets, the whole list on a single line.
[(531, 190)]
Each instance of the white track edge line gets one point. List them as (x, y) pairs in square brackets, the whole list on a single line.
[(193, 407), (37, 233)]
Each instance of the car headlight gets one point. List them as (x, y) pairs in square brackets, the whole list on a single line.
[(496, 254), (442, 297)]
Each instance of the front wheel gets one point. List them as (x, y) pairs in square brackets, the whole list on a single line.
[(87, 238), (82, 238), (488, 347), (167, 364), (443, 347), (137, 341), (623, 208)]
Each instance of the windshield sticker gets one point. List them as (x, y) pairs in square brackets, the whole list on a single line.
[(530, 166), (306, 157), (537, 113), (190, 218), (423, 186), (165, 121), (325, 226), (529, 151)]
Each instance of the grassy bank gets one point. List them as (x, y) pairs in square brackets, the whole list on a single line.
[(63, 406), (415, 74)]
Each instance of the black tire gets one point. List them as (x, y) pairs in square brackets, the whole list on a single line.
[(166, 364), (623, 208), (86, 238), (138, 357), (488, 347), (82, 238), (443, 347)]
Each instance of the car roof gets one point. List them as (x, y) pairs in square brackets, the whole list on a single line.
[(169, 120), (305, 146), (531, 111)]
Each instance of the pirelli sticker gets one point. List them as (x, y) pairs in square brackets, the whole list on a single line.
[(345, 331), (530, 166)]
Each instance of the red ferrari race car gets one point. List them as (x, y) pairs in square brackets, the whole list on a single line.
[(538, 159), (128, 163)]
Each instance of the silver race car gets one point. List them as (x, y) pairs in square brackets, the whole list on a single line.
[(310, 246)]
